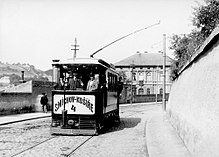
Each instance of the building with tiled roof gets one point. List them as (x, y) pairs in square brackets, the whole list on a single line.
[(144, 59), (144, 71)]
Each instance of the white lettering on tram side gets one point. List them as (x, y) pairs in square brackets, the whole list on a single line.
[(81, 100)]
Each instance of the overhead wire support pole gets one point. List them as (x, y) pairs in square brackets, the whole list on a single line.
[(75, 48), (164, 72), (132, 68), (122, 38)]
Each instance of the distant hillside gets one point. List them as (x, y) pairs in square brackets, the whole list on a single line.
[(29, 71), (49, 72)]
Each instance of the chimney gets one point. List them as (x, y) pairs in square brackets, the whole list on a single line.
[(22, 77), (55, 60)]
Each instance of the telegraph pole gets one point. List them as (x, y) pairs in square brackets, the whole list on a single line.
[(75, 48), (164, 72), (132, 67), (156, 89)]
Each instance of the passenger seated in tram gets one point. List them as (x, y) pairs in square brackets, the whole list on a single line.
[(75, 82), (93, 82)]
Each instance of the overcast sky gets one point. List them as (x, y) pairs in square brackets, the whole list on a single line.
[(37, 31)]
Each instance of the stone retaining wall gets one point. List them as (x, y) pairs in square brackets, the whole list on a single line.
[(193, 104), (13, 102)]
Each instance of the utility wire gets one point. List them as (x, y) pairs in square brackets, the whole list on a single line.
[(123, 38)]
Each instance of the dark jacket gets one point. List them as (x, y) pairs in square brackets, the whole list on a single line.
[(44, 100), (75, 83)]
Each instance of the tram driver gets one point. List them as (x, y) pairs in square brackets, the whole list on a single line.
[(75, 82)]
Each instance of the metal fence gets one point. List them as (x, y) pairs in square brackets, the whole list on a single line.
[(145, 98)]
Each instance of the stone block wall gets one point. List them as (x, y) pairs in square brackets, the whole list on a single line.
[(12, 102)]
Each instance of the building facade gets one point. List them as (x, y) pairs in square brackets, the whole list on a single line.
[(143, 73)]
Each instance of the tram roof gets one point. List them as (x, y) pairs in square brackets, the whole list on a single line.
[(83, 61)]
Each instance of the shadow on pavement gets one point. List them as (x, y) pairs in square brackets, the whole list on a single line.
[(123, 124)]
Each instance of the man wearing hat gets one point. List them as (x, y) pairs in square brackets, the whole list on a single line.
[(74, 82), (44, 102)]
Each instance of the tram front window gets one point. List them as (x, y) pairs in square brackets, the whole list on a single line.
[(76, 77)]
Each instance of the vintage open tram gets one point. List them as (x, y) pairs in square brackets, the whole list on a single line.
[(77, 110)]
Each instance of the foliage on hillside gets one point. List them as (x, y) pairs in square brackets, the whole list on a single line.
[(30, 72), (205, 19)]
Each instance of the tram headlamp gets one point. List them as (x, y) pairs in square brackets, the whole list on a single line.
[(71, 122)]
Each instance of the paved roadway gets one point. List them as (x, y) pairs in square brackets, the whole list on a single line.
[(126, 139)]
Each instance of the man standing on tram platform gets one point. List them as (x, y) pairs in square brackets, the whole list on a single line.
[(74, 82)]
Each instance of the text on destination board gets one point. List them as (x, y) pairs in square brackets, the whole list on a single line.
[(81, 100)]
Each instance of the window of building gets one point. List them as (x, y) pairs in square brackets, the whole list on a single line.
[(161, 90), (149, 73), (141, 75), (140, 91), (148, 91), (148, 76), (134, 76), (141, 78), (141, 82)]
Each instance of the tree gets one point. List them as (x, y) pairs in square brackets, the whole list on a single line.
[(205, 19)]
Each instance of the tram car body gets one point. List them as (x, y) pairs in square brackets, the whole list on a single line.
[(77, 110)]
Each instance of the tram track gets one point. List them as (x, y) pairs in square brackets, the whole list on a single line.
[(79, 146), (70, 152), (67, 154), (121, 123), (19, 153), (24, 120), (88, 139), (76, 142)]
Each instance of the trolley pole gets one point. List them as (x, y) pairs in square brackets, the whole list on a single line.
[(125, 36), (164, 72)]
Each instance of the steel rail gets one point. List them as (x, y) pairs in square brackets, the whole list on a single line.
[(80, 145), (33, 146)]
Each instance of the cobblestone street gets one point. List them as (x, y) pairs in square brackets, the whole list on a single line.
[(128, 138)]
